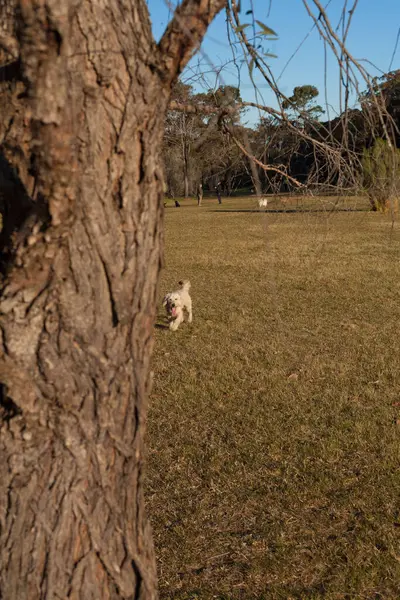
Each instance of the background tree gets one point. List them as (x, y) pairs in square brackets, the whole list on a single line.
[(381, 175), (302, 104), (220, 160), (384, 92), (181, 131), (195, 146)]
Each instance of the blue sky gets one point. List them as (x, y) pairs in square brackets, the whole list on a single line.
[(372, 36)]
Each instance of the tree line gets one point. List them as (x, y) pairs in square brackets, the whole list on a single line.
[(204, 145)]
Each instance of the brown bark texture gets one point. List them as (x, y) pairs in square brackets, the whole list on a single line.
[(83, 93)]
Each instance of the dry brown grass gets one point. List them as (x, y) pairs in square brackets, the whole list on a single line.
[(273, 467)]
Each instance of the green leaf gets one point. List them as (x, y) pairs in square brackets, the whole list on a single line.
[(240, 28), (266, 30), (251, 66)]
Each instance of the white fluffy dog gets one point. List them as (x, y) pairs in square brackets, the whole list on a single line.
[(176, 302), (263, 202)]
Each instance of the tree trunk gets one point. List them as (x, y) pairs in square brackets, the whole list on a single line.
[(82, 114), (185, 156), (78, 302)]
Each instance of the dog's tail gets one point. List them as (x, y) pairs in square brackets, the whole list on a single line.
[(185, 285)]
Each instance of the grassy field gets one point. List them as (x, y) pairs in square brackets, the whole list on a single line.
[(274, 427)]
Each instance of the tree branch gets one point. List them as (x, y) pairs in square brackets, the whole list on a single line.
[(202, 109), (259, 163), (185, 33)]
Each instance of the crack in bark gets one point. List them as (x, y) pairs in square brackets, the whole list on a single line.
[(138, 579), (113, 304), (8, 408)]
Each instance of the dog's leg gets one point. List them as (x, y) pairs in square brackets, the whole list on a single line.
[(189, 309), (176, 322)]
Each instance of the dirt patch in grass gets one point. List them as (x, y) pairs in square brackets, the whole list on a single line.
[(273, 432)]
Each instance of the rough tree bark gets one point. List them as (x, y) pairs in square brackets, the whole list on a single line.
[(83, 97)]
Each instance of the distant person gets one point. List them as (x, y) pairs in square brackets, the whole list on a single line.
[(199, 194), (177, 204), (218, 189)]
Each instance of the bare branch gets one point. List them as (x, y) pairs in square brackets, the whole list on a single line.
[(255, 160), (195, 109)]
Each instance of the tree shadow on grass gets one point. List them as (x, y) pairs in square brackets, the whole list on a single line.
[(287, 210), (161, 322)]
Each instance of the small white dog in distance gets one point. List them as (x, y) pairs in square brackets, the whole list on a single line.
[(263, 202), (176, 302)]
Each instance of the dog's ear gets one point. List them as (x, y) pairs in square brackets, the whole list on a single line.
[(165, 300)]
